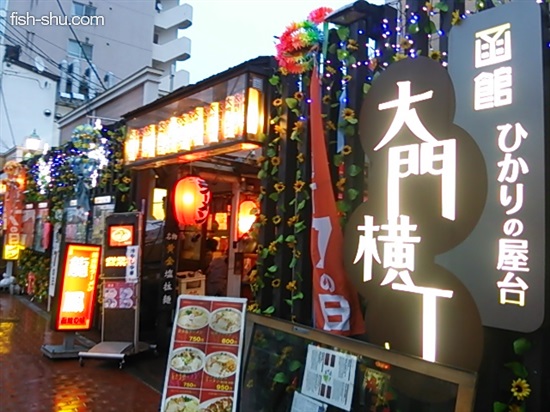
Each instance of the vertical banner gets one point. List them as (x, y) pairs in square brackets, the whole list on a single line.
[(13, 210), (500, 102), (29, 217), (336, 303), (205, 354), (56, 247), (42, 228)]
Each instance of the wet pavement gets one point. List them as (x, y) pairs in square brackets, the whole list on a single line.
[(29, 381)]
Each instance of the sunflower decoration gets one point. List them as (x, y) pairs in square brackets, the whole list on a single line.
[(456, 18), (277, 102), (276, 219), (520, 389), (279, 187), (296, 46), (435, 55), (291, 286), (85, 137), (275, 160), (299, 185), (348, 114), (299, 96), (276, 283)]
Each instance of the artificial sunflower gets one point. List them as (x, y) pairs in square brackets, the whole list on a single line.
[(346, 78), (277, 102), (260, 160), (291, 286), (276, 219), (455, 18), (341, 184), (279, 129), (275, 160), (329, 125), (435, 55), (399, 56), (405, 44), (520, 389), (330, 69), (276, 283), (262, 190), (253, 276), (300, 157), (352, 45), (428, 7), (326, 99), (299, 185), (299, 96), (272, 248), (298, 126), (253, 307), (348, 113), (292, 221), (297, 254), (279, 187), (346, 150), (250, 383)]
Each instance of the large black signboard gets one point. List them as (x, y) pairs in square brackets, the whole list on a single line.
[(496, 64), (426, 191)]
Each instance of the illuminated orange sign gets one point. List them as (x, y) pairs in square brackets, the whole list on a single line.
[(78, 287), (121, 235), (116, 261)]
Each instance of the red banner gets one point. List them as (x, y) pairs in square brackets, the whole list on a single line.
[(336, 303), (13, 210)]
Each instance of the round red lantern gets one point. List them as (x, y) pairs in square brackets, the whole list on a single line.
[(191, 201)]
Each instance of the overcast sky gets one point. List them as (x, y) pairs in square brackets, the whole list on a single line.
[(226, 33)]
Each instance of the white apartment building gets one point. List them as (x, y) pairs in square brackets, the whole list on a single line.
[(57, 55)]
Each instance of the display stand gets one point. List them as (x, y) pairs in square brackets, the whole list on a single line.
[(68, 350), (121, 292)]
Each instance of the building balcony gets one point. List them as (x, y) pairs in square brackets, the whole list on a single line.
[(177, 49), (180, 16), (169, 83)]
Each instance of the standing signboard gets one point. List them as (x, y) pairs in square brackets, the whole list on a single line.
[(78, 287), (205, 354)]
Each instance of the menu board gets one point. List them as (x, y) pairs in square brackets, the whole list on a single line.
[(119, 294), (329, 376), (202, 374)]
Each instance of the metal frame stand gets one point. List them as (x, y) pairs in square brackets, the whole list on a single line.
[(68, 350)]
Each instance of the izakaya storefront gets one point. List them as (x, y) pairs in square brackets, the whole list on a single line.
[(193, 155), (406, 213)]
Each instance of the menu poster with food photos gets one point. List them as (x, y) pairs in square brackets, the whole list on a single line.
[(329, 376), (202, 374)]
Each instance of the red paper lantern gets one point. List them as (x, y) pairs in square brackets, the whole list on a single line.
[(191, 201)]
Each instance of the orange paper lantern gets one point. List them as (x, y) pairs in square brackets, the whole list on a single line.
[(191, 201), (247, 216)]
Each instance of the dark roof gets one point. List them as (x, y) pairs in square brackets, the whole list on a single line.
[(31, 68), (261, 65)]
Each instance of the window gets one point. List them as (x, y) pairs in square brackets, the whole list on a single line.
[(74, 50), (80, 9), (159, 198)]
